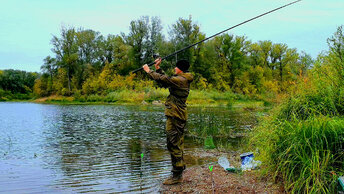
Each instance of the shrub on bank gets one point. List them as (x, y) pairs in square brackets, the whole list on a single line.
[(308, 156), (8, 95), (302, 141)]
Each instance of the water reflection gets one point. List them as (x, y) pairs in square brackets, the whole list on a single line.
[(99, 148), (49, 148)]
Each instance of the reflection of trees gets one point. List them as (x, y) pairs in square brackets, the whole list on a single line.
[(221, 119), (90, 144), (93, 144)]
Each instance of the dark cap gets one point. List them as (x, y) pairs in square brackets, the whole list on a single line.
[(183, 65)]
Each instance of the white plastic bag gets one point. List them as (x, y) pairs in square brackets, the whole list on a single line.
[(223, 161)]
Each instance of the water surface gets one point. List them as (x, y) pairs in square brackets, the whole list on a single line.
[(89, 148)]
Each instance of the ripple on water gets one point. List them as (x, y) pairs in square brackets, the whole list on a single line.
[(73, 148)]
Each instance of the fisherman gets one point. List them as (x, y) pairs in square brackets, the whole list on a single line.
[(175, 111)]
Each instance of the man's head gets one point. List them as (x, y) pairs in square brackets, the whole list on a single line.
[(182, 66)]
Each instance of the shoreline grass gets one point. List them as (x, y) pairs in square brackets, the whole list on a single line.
[(308, 156), (157, 96)]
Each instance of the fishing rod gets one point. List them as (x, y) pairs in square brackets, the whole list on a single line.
[(152, 63)]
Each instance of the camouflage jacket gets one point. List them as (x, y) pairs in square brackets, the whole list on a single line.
[(179, 87)]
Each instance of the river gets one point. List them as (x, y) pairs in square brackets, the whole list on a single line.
[(87, 148)]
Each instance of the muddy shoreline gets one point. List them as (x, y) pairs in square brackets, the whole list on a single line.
[(199, 179)]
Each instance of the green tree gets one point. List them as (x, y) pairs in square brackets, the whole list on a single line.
[(88, 54), (306, 61), (17, 81), (138, 39), (278, 53), (66, 50), (184, 33), (266, 47), (220, 67), (156, 39), (336, 45), (234, 50), (122, 55), (50, 68), (256, 57)]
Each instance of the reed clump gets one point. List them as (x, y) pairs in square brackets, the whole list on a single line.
[(301, 142), (306, 155)]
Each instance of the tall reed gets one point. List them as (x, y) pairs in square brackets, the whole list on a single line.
[(305, 155)]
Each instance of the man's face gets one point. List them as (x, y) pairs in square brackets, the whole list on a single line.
[(177, 70)]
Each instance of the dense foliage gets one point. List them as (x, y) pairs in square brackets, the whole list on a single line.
[(15, 84), (302, 141), (87, 63)]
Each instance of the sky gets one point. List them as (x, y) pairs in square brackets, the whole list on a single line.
[(27, 26)]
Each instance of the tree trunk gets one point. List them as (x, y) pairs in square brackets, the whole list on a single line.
[(68, 74), (281, 69), (51, 80)]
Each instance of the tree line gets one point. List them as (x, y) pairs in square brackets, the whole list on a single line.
[(16, 84), (86, 62)]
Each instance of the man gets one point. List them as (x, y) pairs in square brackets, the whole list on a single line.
[(175, 111)]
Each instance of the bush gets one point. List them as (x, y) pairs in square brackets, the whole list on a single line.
[(156, 94), (127, 96), (304, 154), (307, 105), (82, 98), (209, 143), (94, 98), (302, 142)]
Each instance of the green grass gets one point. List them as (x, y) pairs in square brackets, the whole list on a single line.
[(305, 105), (222, 125), (126, 96), (199, 97), (301, 143), (305, 155)]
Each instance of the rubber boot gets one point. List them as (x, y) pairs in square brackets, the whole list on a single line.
[(176, 178)]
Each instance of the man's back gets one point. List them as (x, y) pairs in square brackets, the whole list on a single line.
[(179, 91)]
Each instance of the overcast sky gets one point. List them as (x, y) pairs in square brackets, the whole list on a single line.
[(27, 26)]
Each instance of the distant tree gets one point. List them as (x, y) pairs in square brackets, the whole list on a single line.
[(138, 39), (256, 55), (336, 45), (235, 50), (306, 61), (50, 68), (183, 33), (278, 53), (88, 54), (17, 81), (66, 50), (156, 38), (266, 48)]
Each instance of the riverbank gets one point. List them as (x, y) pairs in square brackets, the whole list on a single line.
[(153, 95), (199, 179), (197, 98)]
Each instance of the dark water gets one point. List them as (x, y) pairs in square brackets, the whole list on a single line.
[(86, 148)]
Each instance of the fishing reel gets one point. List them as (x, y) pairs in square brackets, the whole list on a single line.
[(156, 55)]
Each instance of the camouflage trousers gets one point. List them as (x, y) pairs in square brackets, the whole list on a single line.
[(175, 142)]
